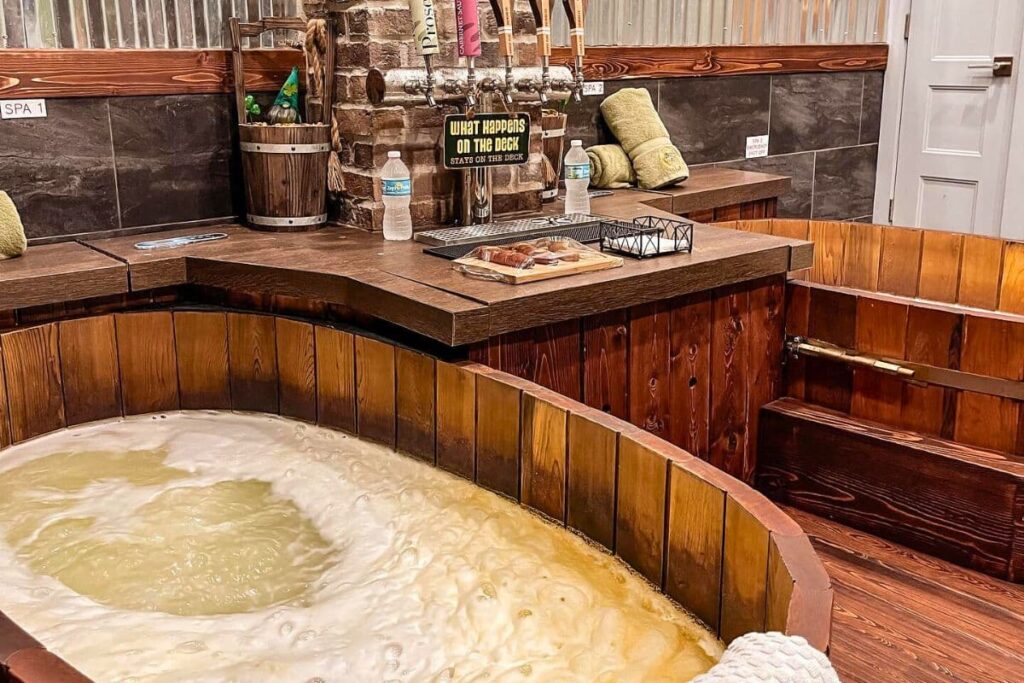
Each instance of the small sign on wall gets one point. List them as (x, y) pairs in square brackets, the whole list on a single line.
[(757, 146), (22, 109), (486, 140), (593, 88)]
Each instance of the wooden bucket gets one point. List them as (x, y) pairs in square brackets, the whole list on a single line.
[(285, 175)]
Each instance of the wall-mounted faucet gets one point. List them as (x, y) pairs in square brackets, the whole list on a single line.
[(576, 10), (424, 25)]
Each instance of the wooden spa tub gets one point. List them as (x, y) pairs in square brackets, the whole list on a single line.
[(713, 544)]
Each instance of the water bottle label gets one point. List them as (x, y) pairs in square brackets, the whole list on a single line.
[(577, 172), (397, 188)]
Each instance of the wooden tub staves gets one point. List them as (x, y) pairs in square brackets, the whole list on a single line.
[(285, 175), (705, 539)]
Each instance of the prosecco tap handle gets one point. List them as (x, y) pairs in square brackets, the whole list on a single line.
[(504, 17), (424, 26), (542, 17), (467, 24), (576, 10)]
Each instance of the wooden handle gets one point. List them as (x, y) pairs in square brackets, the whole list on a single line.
[(504, 16), (424, 27), (237, 68), (576, 10), (542, 17)]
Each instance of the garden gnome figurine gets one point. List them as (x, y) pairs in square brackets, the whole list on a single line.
[(12, 232), (286, 106)]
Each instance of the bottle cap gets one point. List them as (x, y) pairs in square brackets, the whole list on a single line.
[(394, 155), (576, 143)]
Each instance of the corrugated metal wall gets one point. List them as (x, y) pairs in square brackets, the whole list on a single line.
[(132, 23), (730, 22), (201, 23)]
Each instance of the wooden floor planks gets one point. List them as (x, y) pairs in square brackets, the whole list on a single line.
[(904, 616)]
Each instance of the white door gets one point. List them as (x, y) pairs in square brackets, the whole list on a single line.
[(957, 114)]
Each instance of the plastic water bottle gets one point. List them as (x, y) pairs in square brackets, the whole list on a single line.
[(577, 179), (396, 187)]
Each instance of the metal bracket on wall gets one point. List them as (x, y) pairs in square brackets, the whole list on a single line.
[(914, 373)]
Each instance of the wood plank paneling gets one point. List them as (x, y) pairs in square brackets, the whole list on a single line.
[(881, 331), (829, 239), (798, 311), (456, 420), (559, 358), (690, 374), (947, 499), (764, 365), (696, 528), (940, 265), (335, 378), (89, 371), (201, 341), (592, 464), (102, 73), (640, 508), (1011, 293), (727, 431), (296, 364), (543, 456), (612, 62), (861, 256), (796, 229), (833, 319), (649, 352), (934, 337), (415, 403), (34, 392), (606, 362), (744, 572), (497, 436), (900, 262), (252, 350), (375, 389), (980, 272), (5, 413), (148, 361), (994, 348)]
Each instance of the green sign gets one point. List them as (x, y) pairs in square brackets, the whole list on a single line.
[(486, 140)]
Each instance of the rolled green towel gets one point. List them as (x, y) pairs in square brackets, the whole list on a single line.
[(631, 116), (610, 167), (12, 232)]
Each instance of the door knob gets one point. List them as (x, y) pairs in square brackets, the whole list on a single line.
[(1001, 67)]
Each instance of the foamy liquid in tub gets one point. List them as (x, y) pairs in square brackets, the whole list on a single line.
[(207, 546)]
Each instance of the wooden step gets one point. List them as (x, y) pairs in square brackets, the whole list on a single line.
[(956, 502)]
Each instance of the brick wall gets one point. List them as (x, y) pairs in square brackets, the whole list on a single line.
[(378, 33)]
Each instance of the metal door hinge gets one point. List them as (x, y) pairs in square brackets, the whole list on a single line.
[(892, 204), (906, 27)]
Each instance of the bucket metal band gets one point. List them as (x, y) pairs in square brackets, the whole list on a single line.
[(274, 148), (276, 222)]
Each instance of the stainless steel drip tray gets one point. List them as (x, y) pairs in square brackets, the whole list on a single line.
[(489, 232)]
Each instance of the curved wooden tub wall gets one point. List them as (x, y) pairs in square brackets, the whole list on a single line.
[(719, 548)]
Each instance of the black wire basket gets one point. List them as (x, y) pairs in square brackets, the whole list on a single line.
[(647, 237)]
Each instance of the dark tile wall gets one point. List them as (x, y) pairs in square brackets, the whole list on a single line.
[(100, 164), (823, 131)]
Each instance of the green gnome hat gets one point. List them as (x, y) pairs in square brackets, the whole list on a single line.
[(286, 106)]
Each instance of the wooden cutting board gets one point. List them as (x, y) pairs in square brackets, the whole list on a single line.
[(589, 261)]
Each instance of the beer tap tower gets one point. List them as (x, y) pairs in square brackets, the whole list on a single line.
[(471, 86)]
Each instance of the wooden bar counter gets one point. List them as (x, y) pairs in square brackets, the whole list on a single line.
[(685, 346)]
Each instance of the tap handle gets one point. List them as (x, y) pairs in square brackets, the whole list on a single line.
[(424, 27), (576, 10), (504, 17), (542, 17), (467, 22)]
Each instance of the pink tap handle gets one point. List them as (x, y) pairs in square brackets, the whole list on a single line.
[(467, 21)]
